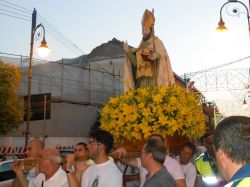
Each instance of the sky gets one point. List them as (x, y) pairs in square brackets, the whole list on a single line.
[(187, 29)]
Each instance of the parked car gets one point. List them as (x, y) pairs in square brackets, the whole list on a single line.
[(6, 173), (64, 152)]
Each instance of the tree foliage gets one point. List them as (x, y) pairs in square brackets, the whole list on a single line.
[(10, 105)]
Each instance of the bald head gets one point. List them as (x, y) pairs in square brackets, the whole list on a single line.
[(38, 143), (49, 161), (34, 148), (51, 154)]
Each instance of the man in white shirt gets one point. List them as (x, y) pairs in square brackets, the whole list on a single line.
[(172, 165), (104, 173), (187, 167), (51, 174), (33, 151)]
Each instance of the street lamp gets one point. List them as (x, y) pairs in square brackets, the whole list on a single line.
[(43, 48), (221, 25), (245, 103)]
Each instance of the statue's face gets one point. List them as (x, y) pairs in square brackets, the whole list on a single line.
[(146, 31)]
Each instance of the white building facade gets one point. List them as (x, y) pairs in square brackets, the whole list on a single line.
[(79, 88)]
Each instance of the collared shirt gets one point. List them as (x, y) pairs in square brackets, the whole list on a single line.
[(172, 165), (243, 172), (59, 179), (31, 175), (160, 179)]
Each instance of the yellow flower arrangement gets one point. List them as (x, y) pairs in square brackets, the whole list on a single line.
[(157, 110)]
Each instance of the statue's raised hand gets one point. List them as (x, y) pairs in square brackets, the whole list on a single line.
[(125, 47)]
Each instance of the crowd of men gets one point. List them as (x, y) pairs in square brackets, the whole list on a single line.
[(225, 162)]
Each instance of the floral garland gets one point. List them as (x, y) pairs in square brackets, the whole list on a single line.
[(157, 110)]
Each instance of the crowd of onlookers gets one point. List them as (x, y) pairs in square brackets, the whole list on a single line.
[(221, 159)]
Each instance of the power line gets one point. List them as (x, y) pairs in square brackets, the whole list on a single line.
[(58, 35), (14, 8), (11, 54), (14, 13), (62, 42), (219, 66), (53, 31), (61, 35), (29, 11), (14, 17)]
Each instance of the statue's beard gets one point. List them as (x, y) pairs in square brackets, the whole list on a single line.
[(145, 38)]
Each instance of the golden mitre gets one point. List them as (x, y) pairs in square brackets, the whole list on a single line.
[(148, 19)]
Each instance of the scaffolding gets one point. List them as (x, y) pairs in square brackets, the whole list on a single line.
[(91, 84)]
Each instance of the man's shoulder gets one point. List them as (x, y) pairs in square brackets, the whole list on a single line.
[(60, 172), (112, 167), (191, 166), (89, 169), (162, 173), (106, 171), (170, 161), (40, 176), (108, 166), (161, 178), (37, 180), (174, 168)]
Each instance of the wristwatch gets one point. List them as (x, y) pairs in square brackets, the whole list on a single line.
[(69, 170)]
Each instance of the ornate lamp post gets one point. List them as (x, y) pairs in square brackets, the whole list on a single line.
[(235, 11), (245, 102), (42, 49)]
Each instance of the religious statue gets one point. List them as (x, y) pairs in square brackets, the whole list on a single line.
[(149, 64)]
